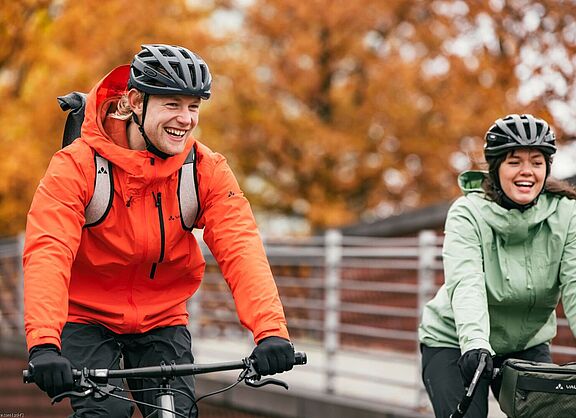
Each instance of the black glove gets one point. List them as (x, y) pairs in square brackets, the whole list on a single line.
[(469, 361), (273, 355), (52, 372)]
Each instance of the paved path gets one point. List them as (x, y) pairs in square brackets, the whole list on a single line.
[(385, 377)]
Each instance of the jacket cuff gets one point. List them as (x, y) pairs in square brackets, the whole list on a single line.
[(281, 331), (477, 344), (43, 336)]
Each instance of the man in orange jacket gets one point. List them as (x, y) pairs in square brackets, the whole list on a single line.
[(98, 291)]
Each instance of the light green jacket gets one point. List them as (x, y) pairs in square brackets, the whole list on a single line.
[(504, 273)]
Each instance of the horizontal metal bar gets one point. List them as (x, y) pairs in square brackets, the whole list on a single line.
[(379, 310), (378, 332), (366, 309), (319, 283), (560, 349)]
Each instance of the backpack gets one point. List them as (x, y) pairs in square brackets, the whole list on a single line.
[(97, 209)]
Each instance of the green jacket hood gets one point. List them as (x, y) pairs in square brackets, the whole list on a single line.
[(471, 181), (512, 224)]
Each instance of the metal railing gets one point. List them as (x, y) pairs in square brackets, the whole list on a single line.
[(346, 297), (11, 292), (353, 295)]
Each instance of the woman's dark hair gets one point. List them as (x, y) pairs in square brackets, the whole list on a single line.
[(560, 187), (494, 192)]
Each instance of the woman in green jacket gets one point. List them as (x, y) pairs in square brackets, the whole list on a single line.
[(509, 255)]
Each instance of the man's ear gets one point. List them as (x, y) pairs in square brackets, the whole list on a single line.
[(136, 101)]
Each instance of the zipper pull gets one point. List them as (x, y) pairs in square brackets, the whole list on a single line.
[(157, 199), (128, 202)]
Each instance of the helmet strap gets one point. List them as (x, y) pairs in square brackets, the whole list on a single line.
[(150, 147)]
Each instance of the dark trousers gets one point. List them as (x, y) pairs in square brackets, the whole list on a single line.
[(443, 382), (95, 346)]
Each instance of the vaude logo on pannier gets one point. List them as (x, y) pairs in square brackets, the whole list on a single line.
[(563, 387), (546, 385)]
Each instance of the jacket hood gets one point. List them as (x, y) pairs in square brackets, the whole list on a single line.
[(102, 100), (513, 225), (471, 181)]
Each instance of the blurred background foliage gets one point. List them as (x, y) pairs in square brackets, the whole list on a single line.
[(331, 111)]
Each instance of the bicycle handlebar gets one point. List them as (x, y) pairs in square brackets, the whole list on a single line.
[(165, 371)]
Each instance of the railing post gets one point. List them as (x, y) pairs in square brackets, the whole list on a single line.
[(20, 289), (194, 304), (194, 308), (426, 260), (333, 262)]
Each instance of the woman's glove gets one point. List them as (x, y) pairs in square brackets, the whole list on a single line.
[(273, 355), (52, 372), (469, 361)]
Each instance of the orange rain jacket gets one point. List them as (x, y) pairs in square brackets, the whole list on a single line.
[(102, 274)]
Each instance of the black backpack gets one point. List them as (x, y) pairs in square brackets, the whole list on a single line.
[(97, 209)]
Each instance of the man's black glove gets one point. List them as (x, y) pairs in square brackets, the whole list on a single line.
[(469, 361), (52, 372), (273, 355)]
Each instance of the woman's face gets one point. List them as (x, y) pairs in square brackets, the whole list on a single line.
[(522, 175)]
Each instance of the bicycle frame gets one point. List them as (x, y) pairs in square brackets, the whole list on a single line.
[(94, 382)]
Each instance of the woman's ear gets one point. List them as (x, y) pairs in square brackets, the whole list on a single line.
[(135, 100)]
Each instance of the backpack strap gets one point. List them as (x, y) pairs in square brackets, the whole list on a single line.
[(101, 200), (188, 191)]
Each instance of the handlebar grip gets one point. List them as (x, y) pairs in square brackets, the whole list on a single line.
[(28, 377), (300, 358)]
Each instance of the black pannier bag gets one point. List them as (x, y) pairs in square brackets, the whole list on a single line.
[(538, 390)]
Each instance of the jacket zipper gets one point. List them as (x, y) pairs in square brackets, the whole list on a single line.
[(158, 203)]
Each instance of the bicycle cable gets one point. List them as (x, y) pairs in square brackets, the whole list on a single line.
[(143, 403), (240, 378)]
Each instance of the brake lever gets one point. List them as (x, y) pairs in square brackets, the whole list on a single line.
[(85, 388), (268, 381), (78, 394), (252, 378)]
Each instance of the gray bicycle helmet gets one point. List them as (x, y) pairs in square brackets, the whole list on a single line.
[(519, 131), (166, 69)]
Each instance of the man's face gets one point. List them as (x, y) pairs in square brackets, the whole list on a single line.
[(169, 121)]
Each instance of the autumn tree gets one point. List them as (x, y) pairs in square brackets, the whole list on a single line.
[(347, 110), (49, 48), (334, 110)]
